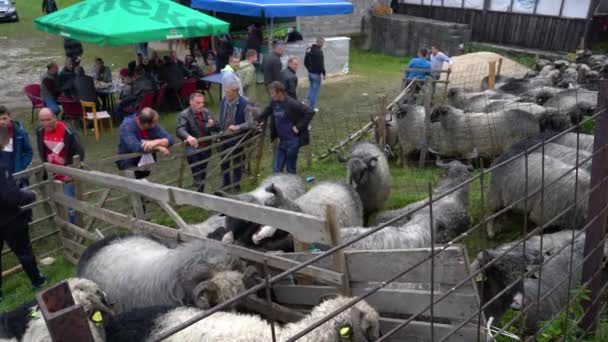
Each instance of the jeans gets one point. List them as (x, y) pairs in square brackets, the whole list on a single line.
[(237, 164), (286, 155), (17, 236), (52, 105), (70, 190), (314, 89), (199, 171)]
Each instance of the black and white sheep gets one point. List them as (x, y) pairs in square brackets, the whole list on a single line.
[(26, 324), (349, 209), (291, 186), (367, 171), (508, 186), (137, 271), (489, 134), (450, 217), (141, 325)]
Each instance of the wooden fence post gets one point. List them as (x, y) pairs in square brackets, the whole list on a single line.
[(61, 211), (260, 154), (428, 94), (499, 67), (339, 259), (78, 191), (381, 122), (598, 200), (182, 169), (492, 75), (136, 200)]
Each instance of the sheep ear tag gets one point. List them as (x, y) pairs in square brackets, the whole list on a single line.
[(346, 332), (97, 317), (480, 277)]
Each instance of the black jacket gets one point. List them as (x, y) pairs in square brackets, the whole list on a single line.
[(11, 196), (72, 141), (85, 88), (299, 114), (66, 82), (272, 68), (290, 81), (314, 60), (188, 125), (141, 86), (174, 74)]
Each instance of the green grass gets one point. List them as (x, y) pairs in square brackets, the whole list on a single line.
[(527, 60)]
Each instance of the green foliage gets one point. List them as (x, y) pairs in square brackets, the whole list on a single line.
[(567, 318)]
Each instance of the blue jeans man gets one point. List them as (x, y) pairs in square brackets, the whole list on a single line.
[(286, 156), (314, 89)]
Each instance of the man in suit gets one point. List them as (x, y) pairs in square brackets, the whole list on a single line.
[(193, 123)]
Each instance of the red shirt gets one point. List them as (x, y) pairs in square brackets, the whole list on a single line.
[(142, 132), (55, 146)]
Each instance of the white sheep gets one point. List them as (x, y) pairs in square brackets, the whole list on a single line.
[(25, 325), (360, 322), (137, 271)]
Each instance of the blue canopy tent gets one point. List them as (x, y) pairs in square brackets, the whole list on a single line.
[(276, 8)]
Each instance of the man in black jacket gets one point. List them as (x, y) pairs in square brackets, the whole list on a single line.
[(142, 84), (193, 123), (73, 49), (315, 64), (289, 78), (272, 63), (289, 121), (14, 220)]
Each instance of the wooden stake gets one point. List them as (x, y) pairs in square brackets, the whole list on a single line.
[(492, 75), (381, 122), (339, 259)]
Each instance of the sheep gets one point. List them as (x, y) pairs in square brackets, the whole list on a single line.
[(361, 320), (548, 118), (508, 186), (554, 261), (475, 102), (581, 141), (291, 186), (566, 154), (24, 325), (207, 227), (387, 215), (349, 209), (450, 217), (392, 134), (137, 271), (410, 124), (509, 269), (574, 102), (367, 171), (488, 133)]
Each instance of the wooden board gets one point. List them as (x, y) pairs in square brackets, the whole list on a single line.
[(326, 262), (304, 228), (450, 265), (151, 190), (457, 307), (421, 332)]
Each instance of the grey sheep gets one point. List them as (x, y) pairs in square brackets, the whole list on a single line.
[(556, 150), (292, 187), (574, 102), (548, 118), (450, 217), (361, 322), (410, 124), (136, 271), (207, 227), (487, 133), (475, 102), (349, 209), (585, 141), (367, 171), (508, 186), (509, 263)]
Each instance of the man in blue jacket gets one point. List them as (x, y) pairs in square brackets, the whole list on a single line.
[(14, 220), (18, 153), (420, 62), (141, 133)]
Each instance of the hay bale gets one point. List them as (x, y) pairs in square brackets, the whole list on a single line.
[(469, 69)]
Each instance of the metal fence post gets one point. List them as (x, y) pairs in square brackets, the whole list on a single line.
[(597, 202)]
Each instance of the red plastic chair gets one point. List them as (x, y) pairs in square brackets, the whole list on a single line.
[(146, 101), (32, 91), (71, 108), (160, 96)]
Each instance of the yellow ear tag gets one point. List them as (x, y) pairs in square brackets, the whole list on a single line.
[(345, 332), (97, 317), (480, 277)]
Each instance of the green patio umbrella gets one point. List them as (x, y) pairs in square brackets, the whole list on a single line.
[(120, 22)]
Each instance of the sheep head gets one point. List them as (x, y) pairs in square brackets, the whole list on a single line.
[(205, 289), (278, 200), (359, 323), (359, 170), (439, 113), (86, 293)]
